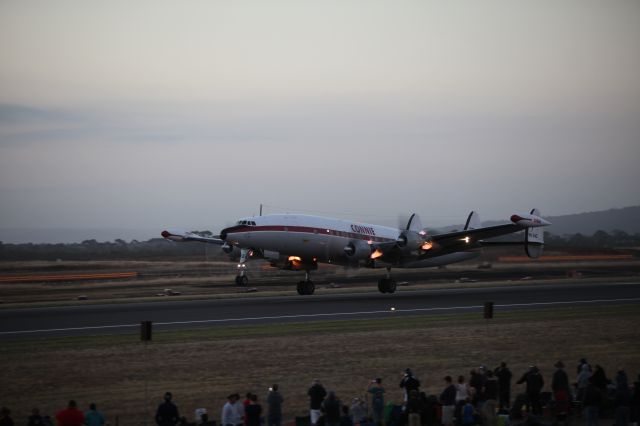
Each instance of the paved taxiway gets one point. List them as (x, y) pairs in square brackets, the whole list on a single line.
[(125, 318)]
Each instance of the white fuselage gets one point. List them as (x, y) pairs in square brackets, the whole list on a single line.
[(319, 239), (306, 236)]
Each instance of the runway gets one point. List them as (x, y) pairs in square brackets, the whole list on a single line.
[(172, 315)]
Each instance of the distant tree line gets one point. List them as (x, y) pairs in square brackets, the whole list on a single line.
[(599, 240), (160, 249), (153, 249)]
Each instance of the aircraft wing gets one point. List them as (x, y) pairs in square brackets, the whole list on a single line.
[(184, 236), (472, 237)]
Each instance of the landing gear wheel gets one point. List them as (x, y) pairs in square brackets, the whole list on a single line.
[(387, 285), (391, 285), (242, 280), (306, 288)]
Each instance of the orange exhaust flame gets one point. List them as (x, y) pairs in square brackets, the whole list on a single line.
[(296, 261), (427, 245), (376, 254)]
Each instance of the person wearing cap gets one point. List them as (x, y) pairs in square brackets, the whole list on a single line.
[(232, 411), (167, 412), (409, 383), (316, 396)]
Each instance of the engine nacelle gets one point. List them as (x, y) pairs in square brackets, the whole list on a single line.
[(410, 240), (357, 250), (232, 251)]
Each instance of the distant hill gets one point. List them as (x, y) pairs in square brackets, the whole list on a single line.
[(626, 219)]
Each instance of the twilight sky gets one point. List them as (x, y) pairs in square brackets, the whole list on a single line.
[(148, 114)]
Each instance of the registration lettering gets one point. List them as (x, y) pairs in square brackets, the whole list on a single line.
[(367, 230)]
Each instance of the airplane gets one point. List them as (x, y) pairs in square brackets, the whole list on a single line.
[(299, 242)]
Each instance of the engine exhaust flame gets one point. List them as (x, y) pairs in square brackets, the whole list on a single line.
[(428, 245), (376, 254), (295, 261)]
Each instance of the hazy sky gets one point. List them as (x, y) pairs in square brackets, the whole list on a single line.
[(150, 114)]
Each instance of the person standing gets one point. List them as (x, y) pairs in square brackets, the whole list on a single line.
[(331, 409), (93, 417), (274, 403), (490, 392), (635, 402), (504, 386), (5, 417), (535, 383), (409, 383), (167, 412), (448, 401), (591, 404), (231, 415), (377, 400), (70, 416), (316, 393), (253, 411), (35, 419), (583, 380), (622, 399)]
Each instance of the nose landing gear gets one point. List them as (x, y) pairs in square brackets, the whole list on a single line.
[(241, 278)]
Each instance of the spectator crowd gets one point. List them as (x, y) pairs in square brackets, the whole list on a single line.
[(483, 397)]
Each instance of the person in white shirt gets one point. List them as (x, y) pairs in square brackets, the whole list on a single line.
[(232, 412)]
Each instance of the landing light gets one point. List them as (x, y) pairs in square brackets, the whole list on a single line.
[(466, 239)]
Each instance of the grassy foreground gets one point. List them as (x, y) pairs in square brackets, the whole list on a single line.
[(202, 366)]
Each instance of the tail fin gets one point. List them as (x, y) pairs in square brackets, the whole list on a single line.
[(534, 239), (473, 221)]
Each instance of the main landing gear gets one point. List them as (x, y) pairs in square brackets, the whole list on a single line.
[(387, 284), (306, 287)]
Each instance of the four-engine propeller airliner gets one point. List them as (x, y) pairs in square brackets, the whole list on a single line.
[(300, 242)]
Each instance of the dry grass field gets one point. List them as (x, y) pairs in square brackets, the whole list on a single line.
[(201, 367)]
